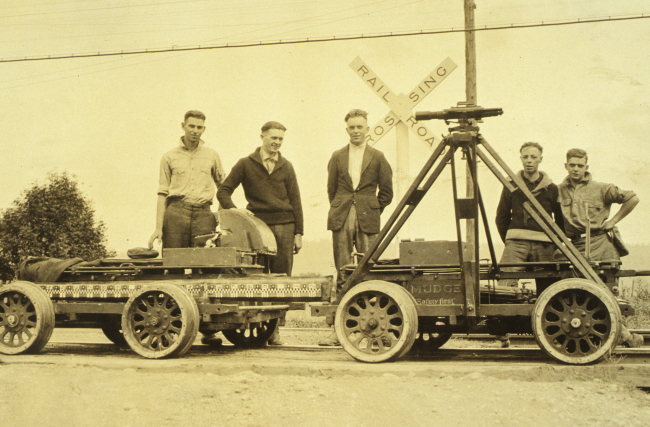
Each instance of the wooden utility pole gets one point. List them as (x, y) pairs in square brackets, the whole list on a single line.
[(470, 96)]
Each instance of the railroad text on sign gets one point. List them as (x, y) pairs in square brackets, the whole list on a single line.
[(401, 105)]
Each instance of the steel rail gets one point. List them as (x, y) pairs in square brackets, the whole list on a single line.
[(526, 340)]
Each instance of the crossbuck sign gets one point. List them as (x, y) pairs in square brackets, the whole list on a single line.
[(401, 105)]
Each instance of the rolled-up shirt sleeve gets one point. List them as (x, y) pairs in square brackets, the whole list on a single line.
[(165, 177), (612, 194), (218, 173)]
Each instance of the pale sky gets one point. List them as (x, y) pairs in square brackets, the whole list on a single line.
[(109, 120)]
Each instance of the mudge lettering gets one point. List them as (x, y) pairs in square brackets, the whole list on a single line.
[(430, 288)]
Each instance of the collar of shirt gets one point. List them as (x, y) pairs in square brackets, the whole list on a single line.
[(182, 144), (530, 183), (358, 147), (585, 180), (268, 156)]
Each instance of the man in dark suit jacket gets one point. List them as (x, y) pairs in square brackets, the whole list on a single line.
[(354, 174)]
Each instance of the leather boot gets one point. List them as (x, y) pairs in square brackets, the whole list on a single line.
[(330, 341), (274, 339)]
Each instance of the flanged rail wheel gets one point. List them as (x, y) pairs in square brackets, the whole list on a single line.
[(26, 318), (160, 320), (576, 321), (376, 321), (254, 335)]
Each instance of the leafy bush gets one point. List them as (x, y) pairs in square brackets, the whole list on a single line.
[(52, 220)]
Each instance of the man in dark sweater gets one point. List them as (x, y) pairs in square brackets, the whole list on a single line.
[(524, 239), (271, 189)]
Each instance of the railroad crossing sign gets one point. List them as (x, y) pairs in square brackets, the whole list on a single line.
[(401, 105)]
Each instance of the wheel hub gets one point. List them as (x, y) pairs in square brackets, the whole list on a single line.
[(575, 324), (373, 326), (158, 323), (12, 320), (372, 323)]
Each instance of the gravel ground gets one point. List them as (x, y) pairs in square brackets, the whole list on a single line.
[(80, 385), (101, 393)]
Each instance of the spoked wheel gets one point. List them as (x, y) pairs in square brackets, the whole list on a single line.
[(576, 321), (376, 321), (254, 335), (160, 320), (26, 318), (113, 331)]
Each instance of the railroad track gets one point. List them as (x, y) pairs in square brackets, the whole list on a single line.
[(529, 340), (515, 340), (512, 354), (459, 347)]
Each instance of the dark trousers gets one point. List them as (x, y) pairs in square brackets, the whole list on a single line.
[(284, 238), (346, 240), (184, 222), (524, 251)]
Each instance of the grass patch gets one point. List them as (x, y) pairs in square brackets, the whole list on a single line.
[(641, 303)]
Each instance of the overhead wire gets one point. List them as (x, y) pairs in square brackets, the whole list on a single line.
[(344, 19), (289, 3), (327, 39), (232, 11)]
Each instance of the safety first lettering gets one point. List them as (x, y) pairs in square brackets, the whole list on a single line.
[(439, 301)]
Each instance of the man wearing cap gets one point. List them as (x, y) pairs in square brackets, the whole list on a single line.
[(587, 203), (271, 190), (359, 187), (188, 175)]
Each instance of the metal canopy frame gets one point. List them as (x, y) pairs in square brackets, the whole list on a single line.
[(467, 138)]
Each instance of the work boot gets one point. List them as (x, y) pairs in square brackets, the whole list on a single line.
[(635, 341), (503, 341), (211, 340), (274, 339), (629, 339), (330, 341)]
